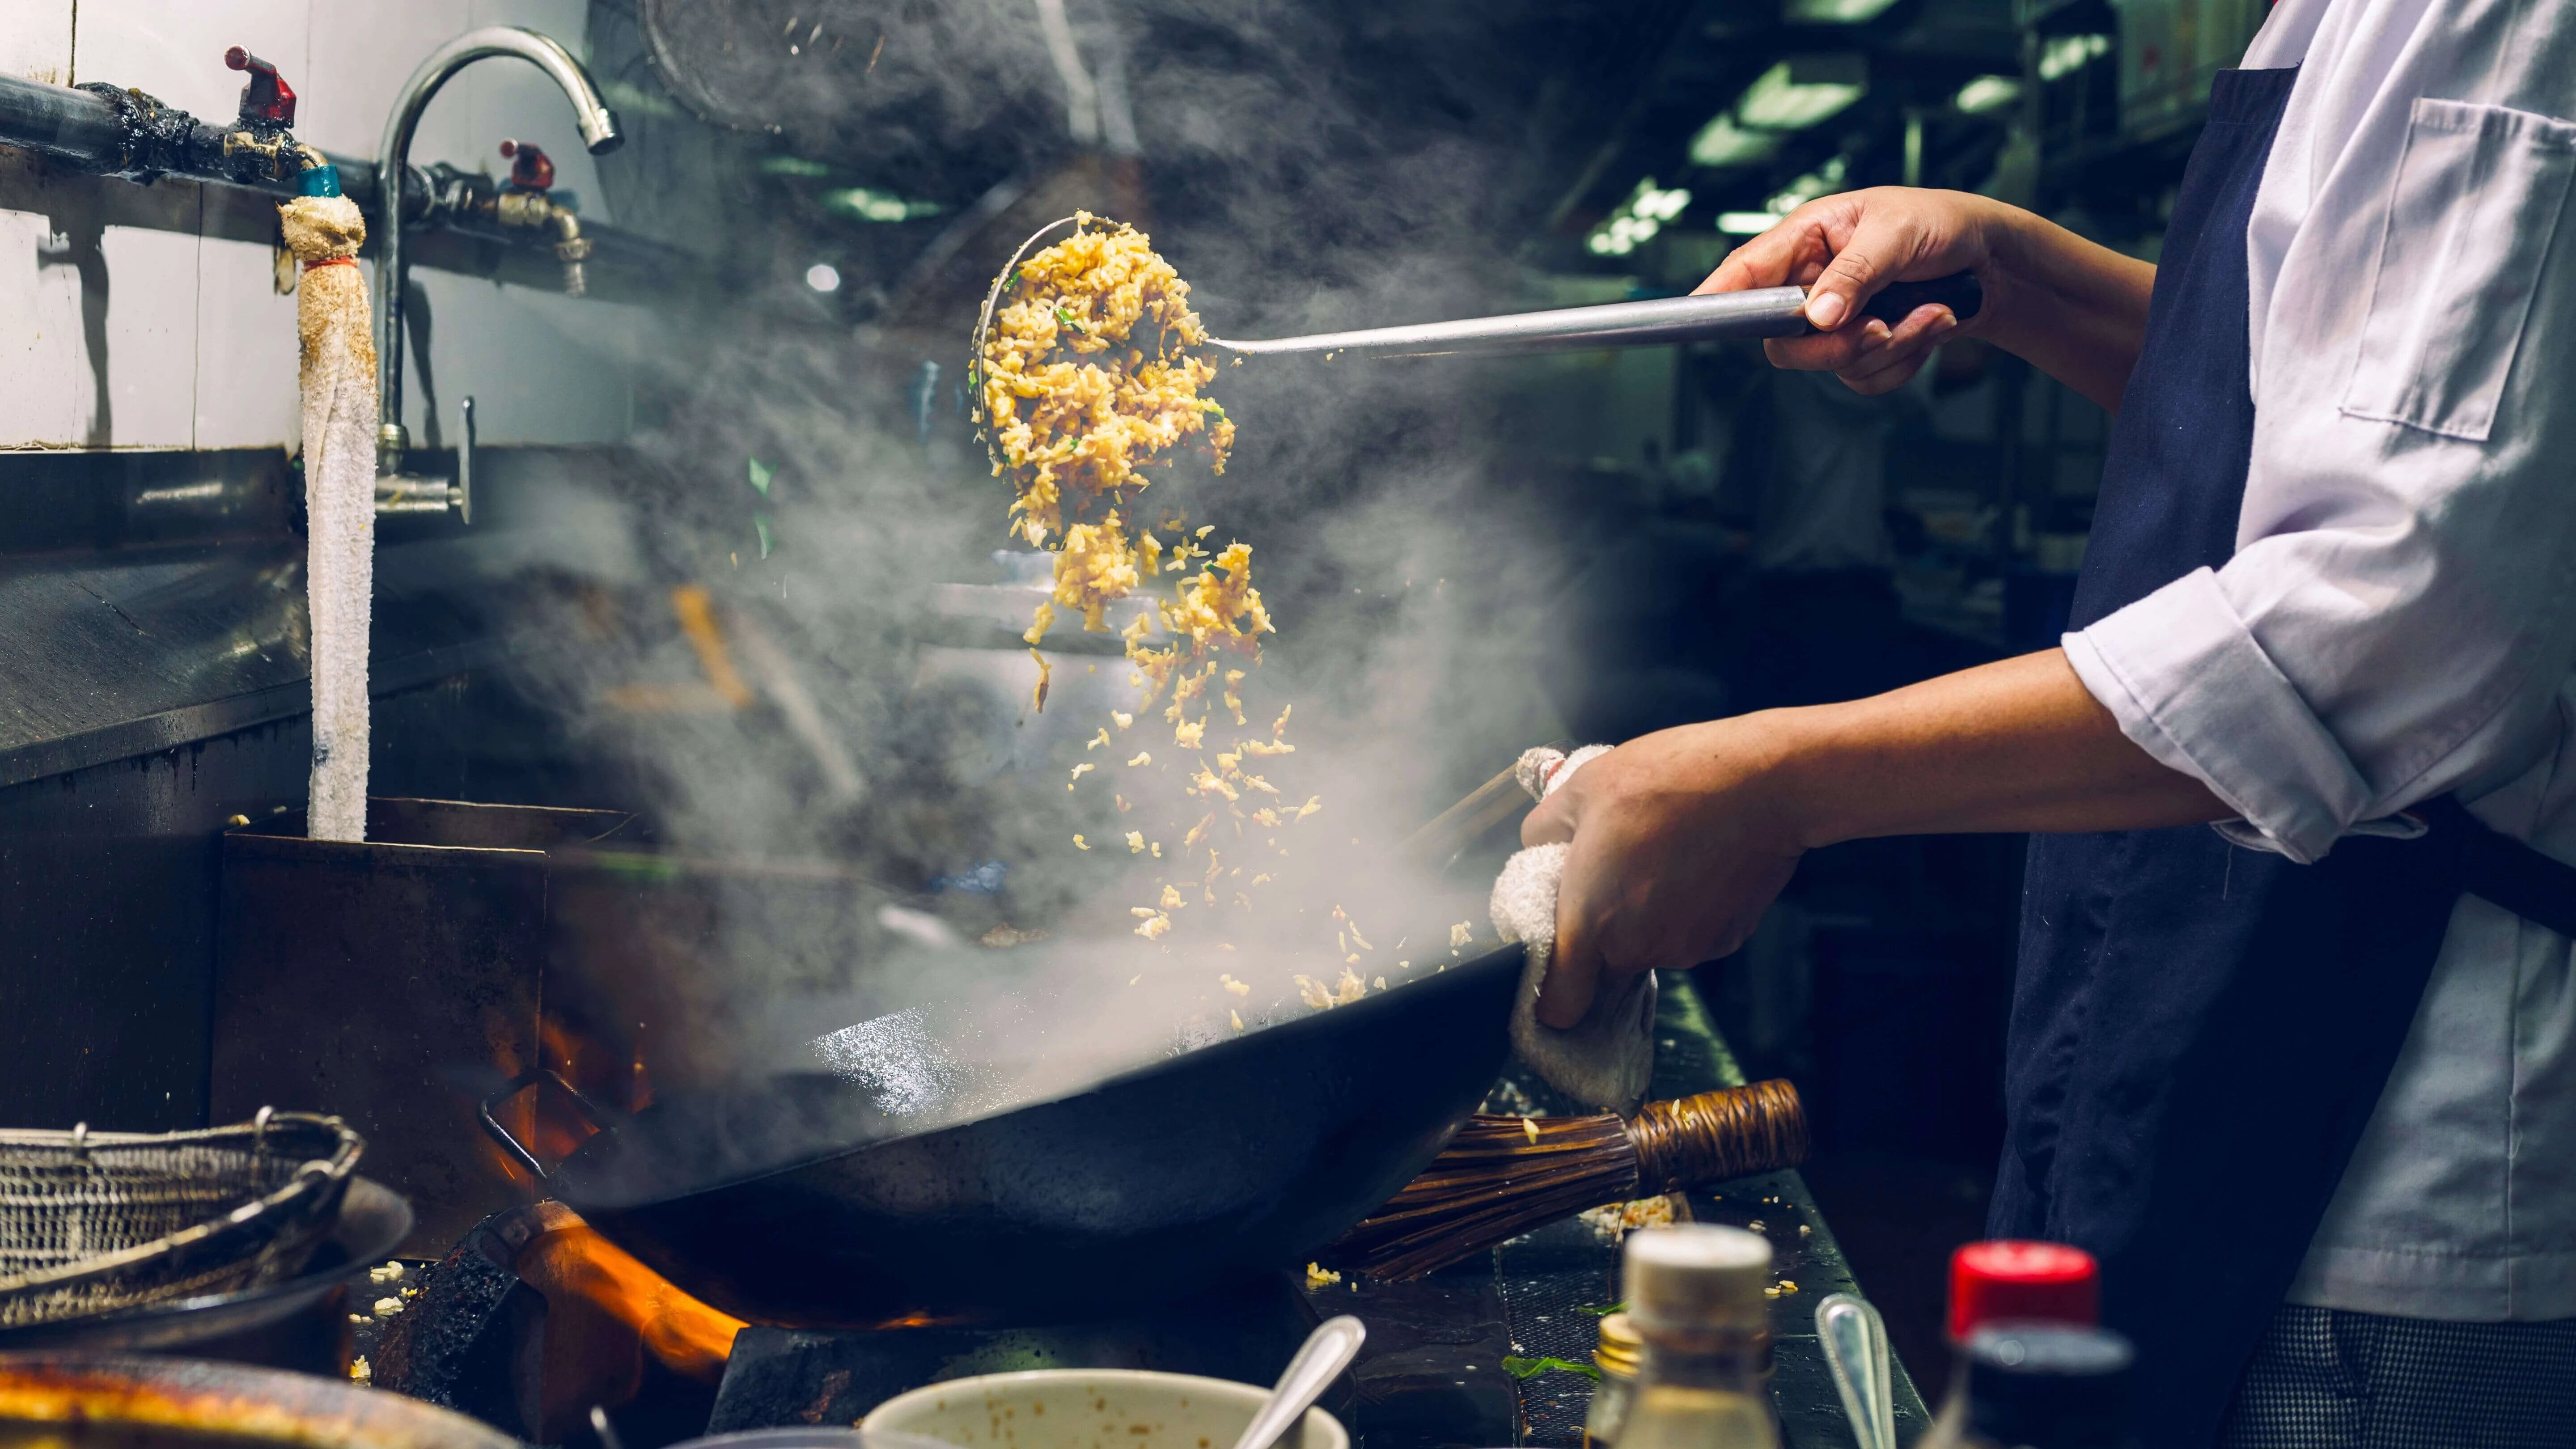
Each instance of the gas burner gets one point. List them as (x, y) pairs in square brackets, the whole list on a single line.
[(534, 1319)]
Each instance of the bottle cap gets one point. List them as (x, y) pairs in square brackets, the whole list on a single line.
[(1696, 1276), (2056, 1384), (1621, 1350), (2026, 1282)]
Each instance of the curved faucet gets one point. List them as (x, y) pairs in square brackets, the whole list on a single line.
[(598, 132)]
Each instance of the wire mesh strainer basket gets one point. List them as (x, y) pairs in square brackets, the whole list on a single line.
[(94, 1222)]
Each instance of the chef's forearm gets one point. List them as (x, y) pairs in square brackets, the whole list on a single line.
[(2015, 745), (2076, 310)]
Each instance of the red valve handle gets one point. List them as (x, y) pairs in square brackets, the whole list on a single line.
[(530, 169), (267, 100)]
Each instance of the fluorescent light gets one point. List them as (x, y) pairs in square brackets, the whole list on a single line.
[(823, 277), (1621, 235), (1745, 223), (1654, 205), (1801, 91), (1723, 143), (1638, 219), (1822, 181), (861, 204), (2065, 53), (1987, 93), (1832, 12)]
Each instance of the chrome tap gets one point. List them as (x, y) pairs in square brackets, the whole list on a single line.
[(599, 132)]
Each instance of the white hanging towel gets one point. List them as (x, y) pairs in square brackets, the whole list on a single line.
[(337, 330)]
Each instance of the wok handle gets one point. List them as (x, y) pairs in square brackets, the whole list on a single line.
[(591, 1112)]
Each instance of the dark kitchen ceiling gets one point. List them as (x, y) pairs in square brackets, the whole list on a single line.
[(1917, 54), (1488, 128)]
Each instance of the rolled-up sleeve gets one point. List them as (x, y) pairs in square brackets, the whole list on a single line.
[(2190, 684), (2400, 613)]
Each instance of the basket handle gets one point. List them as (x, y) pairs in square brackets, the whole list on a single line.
[(591, 1112)]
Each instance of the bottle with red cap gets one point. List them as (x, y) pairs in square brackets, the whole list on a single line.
[(2038, 1386), (2011, 1281), (2021, 1281)]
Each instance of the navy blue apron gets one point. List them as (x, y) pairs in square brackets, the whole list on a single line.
[(2200, 1032)]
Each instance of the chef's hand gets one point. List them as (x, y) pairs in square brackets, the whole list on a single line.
[(1679, 845), (1682, 837), (2075, 309), (1843, 249)]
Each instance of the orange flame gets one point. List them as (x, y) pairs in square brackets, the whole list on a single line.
[(607, 1315)]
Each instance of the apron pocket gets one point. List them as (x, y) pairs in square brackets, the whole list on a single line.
[(2478, 193)]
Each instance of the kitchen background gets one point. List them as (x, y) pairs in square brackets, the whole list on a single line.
[(764, 372)]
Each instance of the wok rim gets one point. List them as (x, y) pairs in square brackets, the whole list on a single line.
[(570, 1188)]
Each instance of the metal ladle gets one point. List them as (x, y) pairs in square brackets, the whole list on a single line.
[(1718, 316)]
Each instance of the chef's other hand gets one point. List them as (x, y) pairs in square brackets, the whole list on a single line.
[(1679, 844), (1843, 249)]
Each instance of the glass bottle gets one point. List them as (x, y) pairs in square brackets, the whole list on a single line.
[(2039, 1386), (2012, 1280), (1695, 1298), (1618, 1356)]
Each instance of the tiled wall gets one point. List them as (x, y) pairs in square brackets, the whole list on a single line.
[(135, 317)]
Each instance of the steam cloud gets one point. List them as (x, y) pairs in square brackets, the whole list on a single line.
[(1301, 173)]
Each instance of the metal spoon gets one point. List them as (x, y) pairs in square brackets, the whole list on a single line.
[(1320, 1360), (1758, 313), (1718, 316), (1855, 1340)]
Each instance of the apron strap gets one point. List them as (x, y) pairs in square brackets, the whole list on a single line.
[(2497, 868)]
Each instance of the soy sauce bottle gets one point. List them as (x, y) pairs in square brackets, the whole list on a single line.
[(2039, 1386)]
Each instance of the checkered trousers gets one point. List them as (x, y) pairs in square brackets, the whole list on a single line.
[(2323, 1378)]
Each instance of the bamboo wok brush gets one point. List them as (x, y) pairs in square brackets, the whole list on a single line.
[(1501, 1176)]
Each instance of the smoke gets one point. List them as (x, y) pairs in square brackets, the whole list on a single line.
[(1303, 169)]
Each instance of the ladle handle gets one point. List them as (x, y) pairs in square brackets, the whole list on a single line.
[(1326, 1352), (1655, 322), (591, 1112)]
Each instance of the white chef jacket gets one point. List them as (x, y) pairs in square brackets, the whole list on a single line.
[(2399, 619)]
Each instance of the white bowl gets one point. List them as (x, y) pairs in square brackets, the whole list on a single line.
[(1091, 1409)]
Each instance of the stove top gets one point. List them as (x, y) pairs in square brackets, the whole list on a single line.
[(1432, 1375)]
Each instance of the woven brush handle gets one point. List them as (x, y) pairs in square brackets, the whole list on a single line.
[(1718, 1135)]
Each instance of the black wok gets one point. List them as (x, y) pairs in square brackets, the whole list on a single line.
[(1243, 1155)]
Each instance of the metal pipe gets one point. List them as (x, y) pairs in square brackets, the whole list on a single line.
[(465, 465), (79, 126), (599, 132), (90, 132), (571, 247), (126, 133)]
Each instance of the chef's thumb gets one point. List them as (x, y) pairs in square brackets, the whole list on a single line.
[(1573, 976), (1850, 279)]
